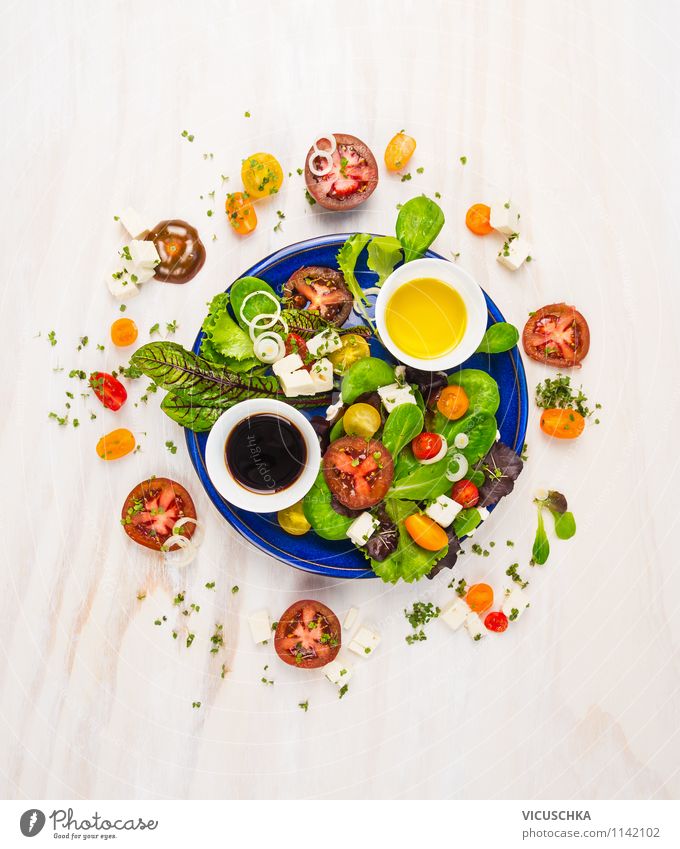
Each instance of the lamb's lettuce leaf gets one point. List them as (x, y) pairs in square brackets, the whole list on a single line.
[(403, 424), (418, 224)]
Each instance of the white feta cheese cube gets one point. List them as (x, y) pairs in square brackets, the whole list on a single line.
[(139, 274), (322, 375), (400, 374), (474, 626), (455, 613), (350, 618), (143, 253), (287, 365), (515, 603), (504, 218), (362, 529), (394, 395), (338, 671), (365, 641), (133, 223), (297, 382), (334, 409), (443, 510), (260, 626), (483, 513), (121, 286), (514, 253), (324, 343)]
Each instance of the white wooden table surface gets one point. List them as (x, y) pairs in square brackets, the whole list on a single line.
[(568, 107)]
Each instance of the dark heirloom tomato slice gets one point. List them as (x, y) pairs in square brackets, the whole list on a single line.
[(557, 335), (358, 471), (180, 249), (152, 509), (308, 635), (352, 178), (321, 290)]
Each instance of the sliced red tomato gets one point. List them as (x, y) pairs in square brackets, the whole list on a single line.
[(308, 635), (496, 621), (152, 509), (426, 445), (358, 471), (321, 290), (557, 335), (108, 389), (465, 493)]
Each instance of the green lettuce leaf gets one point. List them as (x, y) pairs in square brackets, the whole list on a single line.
[(223, 336), (409, 562), (347, 259), (384, 252)]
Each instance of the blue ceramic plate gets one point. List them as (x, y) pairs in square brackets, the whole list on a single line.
[(310, 552)]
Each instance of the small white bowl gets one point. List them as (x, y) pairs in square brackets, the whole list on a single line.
[(234, 492), (466, 286)]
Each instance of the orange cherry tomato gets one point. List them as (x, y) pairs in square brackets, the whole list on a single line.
[(563, 424), (453, 402), (124, 332), (479, 597), (399, 151), (116, 444), (241, 213), (425, 532), (478, 219)]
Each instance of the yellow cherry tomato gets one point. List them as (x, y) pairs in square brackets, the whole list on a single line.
[(479, 597), (453, 402), (399, 151), (262, 175), (354, 348), (116, 444), (361, 420), (124, 332), (293, 520), (240, 213), (425, 532)]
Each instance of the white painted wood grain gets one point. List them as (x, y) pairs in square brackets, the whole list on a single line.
[(571, 109)]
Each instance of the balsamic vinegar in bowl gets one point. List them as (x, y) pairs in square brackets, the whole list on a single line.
[(265, 453)]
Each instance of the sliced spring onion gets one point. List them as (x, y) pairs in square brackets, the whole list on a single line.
[(461, 440), (249, 322), (255, 328), (325, 169), (199, 531), (269, 347), (457, 468)]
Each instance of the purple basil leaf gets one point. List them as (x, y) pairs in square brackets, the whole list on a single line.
[(430, 383), (322, 429), (385, 540), (501, 467), (448, 561)]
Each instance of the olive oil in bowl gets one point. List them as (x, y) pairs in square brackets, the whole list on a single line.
[(426, 318)]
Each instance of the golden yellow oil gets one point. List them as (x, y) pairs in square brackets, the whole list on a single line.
[(426, 318)]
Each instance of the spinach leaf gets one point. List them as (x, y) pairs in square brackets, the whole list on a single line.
[(384, 252), (319, 513), (480, 387), (365, 376), (307, 324), (403, 424), (423, 482), (498, 338), (239, 291), (418, 225), (541, 548), (565, 524), (347, 259), (479, 427), (467, 520), (409, 562)]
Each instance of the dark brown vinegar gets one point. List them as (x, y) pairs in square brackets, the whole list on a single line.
[(265, 453)]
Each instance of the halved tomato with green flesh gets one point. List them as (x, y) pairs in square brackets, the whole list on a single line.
[(153, 508), (358, 471), (321, 290), (308, 635), (557, 335)]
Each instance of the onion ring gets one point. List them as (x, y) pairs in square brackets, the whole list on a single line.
[(320, 154), (463, 467), (277, 313)]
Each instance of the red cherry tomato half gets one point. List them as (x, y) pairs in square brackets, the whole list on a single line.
[(465, 493), (308, 635), (426, 446), (110, 391), (295, 344), (496, 621)]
